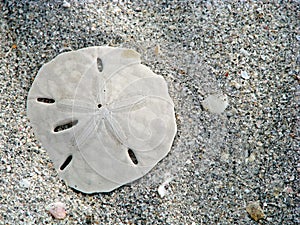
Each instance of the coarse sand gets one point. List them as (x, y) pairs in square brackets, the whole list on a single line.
[(231, 168)]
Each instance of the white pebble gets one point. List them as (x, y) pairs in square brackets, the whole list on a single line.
[(24, 183), (259, 143), (57, 210), (225, 156), (8, 168), (162, 191), (235, 84), (247, 191), (245, 52), (157, 50), (172, 27), (66, 4), (245, 75)]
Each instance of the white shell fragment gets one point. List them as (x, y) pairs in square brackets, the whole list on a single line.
[(245, 75), (104, 118), (24, 183), (57, 210), (245, 52), (162, 189), (215, 103), (66, 4)]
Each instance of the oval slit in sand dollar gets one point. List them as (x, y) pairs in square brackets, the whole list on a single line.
[(46, 100), (65, 126), (132, 156), (104, 118), (100, 65), (66, 162)]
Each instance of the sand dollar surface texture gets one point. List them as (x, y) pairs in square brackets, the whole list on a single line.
[(104, 118)]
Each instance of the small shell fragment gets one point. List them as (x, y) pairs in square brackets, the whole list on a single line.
[(66, 4), (245, 52), (24, 183), (162, 190), (245, 75), (57, 210), (157, 50), (172, 27), (235, 84), (255, 211)]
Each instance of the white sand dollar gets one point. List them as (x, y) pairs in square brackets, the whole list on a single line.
[(215, 103), (104, 118)]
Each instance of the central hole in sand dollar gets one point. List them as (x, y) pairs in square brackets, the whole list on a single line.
[(99, 106)]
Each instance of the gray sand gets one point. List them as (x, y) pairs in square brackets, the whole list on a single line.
[(219, 164)]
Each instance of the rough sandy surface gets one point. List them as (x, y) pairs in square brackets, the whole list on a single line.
[(219, 164)]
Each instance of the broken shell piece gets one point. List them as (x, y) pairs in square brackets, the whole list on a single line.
[(57, 210), (245, 52), (245, 75), (66, 4), (157, 50), (162, 189), (24, 183), (255, 211), (235, 84), (215, 103)]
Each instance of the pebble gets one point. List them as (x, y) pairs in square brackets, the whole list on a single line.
[(247, 191), (172, 27), (258, 123), (255, 211), (235, 84), (66, 4), (244, 52), (157, 50), (57, 210), (225, 156), (162, 189), (8, 168), (24, 183), (245, 75), (251, 158), (259, 143), (288, 190)]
